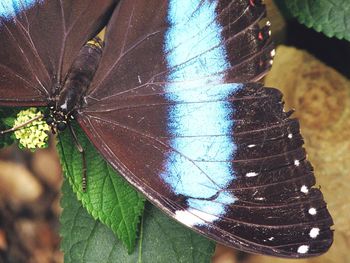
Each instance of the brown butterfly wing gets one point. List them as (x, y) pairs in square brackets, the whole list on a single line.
[(39, 41), (219, 156), (250, 187)]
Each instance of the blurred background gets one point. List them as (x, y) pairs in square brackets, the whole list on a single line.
[(313, 72)]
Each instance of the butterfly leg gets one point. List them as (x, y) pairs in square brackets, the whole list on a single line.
[(22, 125), (82, 152)]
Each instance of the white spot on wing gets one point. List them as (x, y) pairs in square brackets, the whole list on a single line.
[(296, 162), (251, 174), (192, 217), (312, 211), (64, 106), (303, 249), (304, 189), (273, 53), (251, 145), (314, 232), (290, 136)]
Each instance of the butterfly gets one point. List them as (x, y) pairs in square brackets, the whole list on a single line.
[(172, 102)]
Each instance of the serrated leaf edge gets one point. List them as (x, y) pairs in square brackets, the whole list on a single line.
[(99, 215)]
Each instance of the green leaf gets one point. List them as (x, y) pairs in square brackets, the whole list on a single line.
[(332, 17), (108, 197), (7, 117), (85, 240)]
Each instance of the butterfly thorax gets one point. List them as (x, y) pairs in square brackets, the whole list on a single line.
[(77, 81)]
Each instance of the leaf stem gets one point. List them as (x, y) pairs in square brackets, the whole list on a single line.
[(141, 239)]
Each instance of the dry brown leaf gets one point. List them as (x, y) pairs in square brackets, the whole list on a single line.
[(46, 165), (3, 240), (224, 255), (17, 184)]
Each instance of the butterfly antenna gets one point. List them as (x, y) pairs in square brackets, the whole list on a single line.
[(22, 125), (82, 152)]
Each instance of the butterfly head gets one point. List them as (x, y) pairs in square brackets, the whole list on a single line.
[(57, 119)]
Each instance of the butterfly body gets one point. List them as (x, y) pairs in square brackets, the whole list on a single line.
[(172, 107), (67, 99)]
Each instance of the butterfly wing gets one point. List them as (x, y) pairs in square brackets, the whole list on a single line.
[(167, 110), (39, 41)]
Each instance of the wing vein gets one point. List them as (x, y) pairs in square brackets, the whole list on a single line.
[(16, 43), (149, 137), (35, 50)]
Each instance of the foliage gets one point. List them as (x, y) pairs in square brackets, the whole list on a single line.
[(332, 17), (161, 239), (8, 116), (35, 134), (108, 197)]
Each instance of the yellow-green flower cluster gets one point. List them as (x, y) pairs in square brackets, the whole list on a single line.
[(35, 134)]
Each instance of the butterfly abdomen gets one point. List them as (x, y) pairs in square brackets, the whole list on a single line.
[(80, 76)]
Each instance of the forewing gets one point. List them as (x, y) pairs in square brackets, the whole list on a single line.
[(39, 41), (218, 156), (149, 42)]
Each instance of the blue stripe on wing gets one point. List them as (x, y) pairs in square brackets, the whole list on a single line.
[(193, 41), (188, 173), (11, 8)]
